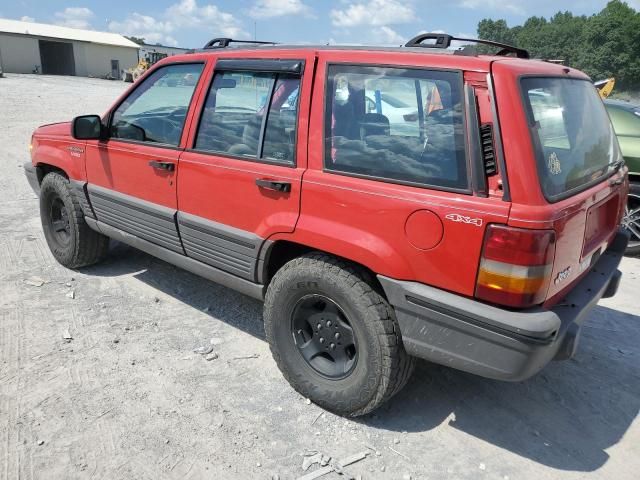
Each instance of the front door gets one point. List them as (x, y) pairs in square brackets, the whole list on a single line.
[(132, 174), (240, 182)]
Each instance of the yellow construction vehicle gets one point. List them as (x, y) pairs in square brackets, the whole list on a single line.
[(605, 87), (132, 74)]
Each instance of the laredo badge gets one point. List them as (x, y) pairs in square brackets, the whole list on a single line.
[(553, 164)]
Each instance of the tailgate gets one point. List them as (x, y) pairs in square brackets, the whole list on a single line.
[(579, 169), (585, 228)]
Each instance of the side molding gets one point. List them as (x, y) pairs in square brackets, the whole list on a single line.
[(221, 246), (143, 219), (229, 280), (79, 189)]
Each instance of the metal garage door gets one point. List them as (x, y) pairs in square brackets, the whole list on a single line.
[(57, 58)]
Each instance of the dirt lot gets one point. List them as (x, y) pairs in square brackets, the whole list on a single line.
[(126, 397)]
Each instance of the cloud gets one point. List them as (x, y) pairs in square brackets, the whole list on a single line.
[(512, 6), (186, 14), (375, 12), (74, 17), (278, 8), (388, 36), (145, 26), (27, 18)]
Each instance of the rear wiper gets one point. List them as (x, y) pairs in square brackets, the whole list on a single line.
[(617, 165)]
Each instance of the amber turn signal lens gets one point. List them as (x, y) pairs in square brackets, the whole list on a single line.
[(516, 266)]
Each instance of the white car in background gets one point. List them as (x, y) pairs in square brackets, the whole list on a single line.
[(403, 118)]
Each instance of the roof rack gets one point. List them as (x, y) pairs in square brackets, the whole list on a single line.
[(225, 42), (443, 40)]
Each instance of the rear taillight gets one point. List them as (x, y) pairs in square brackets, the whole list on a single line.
[(516, 266)]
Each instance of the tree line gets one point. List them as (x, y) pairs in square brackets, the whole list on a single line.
[(603, 45)]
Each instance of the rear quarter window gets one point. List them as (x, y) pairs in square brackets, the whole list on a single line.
[(395, 124)]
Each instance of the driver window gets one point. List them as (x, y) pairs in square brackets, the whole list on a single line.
[(156, 110)]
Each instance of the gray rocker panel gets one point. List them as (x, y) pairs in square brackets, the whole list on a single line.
[(146, 220), (221, 246), (229, 280)]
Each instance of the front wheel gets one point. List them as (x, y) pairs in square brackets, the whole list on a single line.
[(71, 241), (333, 336), (631, 219)]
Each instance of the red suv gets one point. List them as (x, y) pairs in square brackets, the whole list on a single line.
[(385, 203)]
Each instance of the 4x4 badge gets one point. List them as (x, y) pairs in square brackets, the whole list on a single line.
[(563, 275), (456, 217)]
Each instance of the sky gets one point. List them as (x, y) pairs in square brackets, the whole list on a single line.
[(191, 23)]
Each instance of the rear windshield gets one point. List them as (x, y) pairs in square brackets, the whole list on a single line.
[(572, 134)]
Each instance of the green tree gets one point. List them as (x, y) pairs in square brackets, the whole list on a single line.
[(613, 40), (603, 45), (496, 30), (138, 40)]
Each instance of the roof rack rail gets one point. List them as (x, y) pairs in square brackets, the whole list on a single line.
[(225, 42), (443, 40)]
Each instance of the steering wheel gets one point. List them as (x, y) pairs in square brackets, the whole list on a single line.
[(161, 129)]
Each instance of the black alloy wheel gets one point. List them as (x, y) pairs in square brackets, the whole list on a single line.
[(324, 336), (58, 220), (631, 219)]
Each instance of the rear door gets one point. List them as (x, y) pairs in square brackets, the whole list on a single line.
[(389, 183), (240, 180), (132, 174)]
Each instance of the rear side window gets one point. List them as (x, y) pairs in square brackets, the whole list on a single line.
[(571, 132), (395, 124), (156, 110), (251, 115)]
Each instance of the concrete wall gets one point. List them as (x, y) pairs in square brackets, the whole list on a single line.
[(21, 53), (93, 60)]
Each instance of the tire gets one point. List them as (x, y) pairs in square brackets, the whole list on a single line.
[(631, 219), (362, 376), (71, 241)]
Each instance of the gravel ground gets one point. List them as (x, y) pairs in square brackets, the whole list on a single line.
[(126, 397)]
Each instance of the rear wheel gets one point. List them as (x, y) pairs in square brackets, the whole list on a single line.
[(71, 241), (631, 219), (333, 336)]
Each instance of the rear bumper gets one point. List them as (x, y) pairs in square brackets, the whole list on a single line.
[(32, 177), (492, 342)]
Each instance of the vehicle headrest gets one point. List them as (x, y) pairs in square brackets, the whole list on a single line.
[(374, 124)]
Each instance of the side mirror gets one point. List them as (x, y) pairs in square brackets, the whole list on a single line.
[(87, 127)]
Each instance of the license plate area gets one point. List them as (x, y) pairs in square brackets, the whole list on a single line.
[(600, 224)]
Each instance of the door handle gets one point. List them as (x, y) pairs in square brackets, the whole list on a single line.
[(613, 183), (168, 166), (277, 185)]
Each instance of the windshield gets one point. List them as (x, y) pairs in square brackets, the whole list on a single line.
[(572, 134)]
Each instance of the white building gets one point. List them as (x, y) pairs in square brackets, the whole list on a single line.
[(146, 49), (27, 47)]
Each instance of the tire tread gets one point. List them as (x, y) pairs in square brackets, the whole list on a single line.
[(397, 365), (89, 246)]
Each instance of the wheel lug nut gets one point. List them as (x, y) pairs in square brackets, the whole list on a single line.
[(328, 323), (321, 340), (319, 326), (333, 346), (337, 335)]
